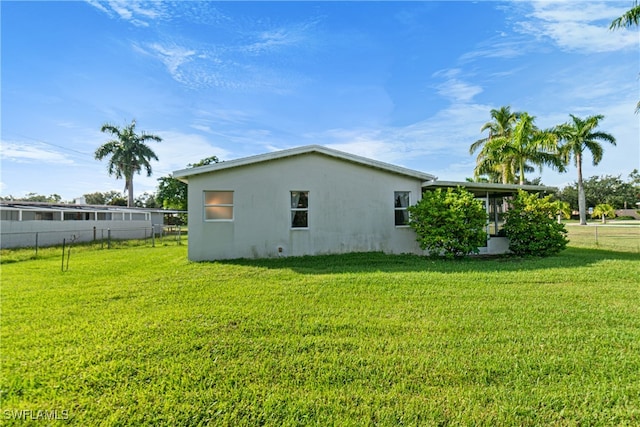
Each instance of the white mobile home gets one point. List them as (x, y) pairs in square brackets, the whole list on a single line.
[(24, 224), (303, 201)]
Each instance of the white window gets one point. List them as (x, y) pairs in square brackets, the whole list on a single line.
[(218, 205), (299, 209), (401, 203)]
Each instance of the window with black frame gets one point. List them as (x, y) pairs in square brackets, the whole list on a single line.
[(299, 209), (401, 204)]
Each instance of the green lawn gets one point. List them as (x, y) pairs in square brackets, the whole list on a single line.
[(139, 335), (615, 236)]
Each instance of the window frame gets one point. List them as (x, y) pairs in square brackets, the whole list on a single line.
[(206, 205), (294, 210), (397, 209)]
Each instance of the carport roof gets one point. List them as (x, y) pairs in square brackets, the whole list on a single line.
[(484, 188)]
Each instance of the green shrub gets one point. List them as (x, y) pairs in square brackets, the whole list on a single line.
[(449, 223), (531, 227)]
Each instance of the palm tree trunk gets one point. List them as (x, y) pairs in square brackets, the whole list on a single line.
[(582, 202), (129, 184)]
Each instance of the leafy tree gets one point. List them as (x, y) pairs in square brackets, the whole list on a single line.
[(172, 193), (603, 189), (604, 210), (128, 154), (579, 136), (449, 223), (114, 198), (117, 200), (204, 162), (531, 227), (35, 197), (146, 200)]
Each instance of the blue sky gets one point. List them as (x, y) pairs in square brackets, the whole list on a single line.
[(409, 83)]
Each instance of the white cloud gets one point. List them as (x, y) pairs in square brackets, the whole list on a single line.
[(455, 89), (502, 46), (458, 91), (173, 56), (178, 149), (425, 145), (578, 26), (25, 153), (138, 13)]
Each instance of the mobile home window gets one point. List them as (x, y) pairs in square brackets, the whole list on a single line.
[(299, 209), (218, 205), (401, 203)]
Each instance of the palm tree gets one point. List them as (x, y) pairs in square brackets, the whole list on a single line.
[(530, 144), (579, 136), (563, 210), (129, 154), (604, 210), (629, 18), (515, 153), (488, 161)]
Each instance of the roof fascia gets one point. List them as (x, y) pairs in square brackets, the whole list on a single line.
[(184, 174)]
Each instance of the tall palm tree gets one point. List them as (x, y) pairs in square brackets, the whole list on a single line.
[(488, 162), (128, 154), (516, 151), (577, 137), (530, 144)]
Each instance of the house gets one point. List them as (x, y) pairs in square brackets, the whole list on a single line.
[(25, 224), (307, 200)]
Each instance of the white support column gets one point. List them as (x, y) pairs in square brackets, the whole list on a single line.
[(488, 211)]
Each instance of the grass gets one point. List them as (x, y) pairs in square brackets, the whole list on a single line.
[(141, 336), (611, 236)]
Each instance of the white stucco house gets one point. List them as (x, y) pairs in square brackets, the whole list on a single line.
[(311, 200)]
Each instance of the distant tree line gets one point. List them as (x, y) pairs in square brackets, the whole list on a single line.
[(606, 189)]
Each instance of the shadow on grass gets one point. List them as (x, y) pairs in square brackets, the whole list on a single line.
[(377, 261)]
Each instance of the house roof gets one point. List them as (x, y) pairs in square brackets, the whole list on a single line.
[(184, 174), (484, 188), (70, 207)]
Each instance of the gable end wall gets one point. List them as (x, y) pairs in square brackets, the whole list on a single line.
[(350, 210)]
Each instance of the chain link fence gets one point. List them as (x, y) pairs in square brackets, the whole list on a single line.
[(617, 237), (101, 238)]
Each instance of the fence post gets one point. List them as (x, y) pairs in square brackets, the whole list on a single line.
[(108, 238), (63, 244), (153, 237), (178, 236), (596, 235), (36, 244), (94, 233)]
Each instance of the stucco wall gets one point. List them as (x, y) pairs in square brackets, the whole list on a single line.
[(351, 209)]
